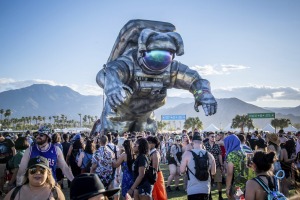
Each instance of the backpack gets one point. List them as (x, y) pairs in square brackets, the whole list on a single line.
[(201, 166), (151, 173), (271, 195)]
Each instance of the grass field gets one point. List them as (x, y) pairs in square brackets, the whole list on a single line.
[(175, 195)]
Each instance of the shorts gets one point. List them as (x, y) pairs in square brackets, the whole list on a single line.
[(198, 197), (218, 176), (145, 189)]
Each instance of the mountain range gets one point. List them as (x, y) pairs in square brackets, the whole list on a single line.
[(46, 100)]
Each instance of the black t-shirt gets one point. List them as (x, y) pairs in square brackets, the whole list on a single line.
[(140, 161), (5, 150)]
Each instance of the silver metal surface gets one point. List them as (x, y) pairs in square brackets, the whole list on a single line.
[(133, 91)]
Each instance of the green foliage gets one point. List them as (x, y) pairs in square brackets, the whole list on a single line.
[(242, 122), (280, 123), (193, 122)]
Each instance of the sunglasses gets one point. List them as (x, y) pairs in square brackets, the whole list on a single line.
[(34, 170), (212, 136), (41, 134)]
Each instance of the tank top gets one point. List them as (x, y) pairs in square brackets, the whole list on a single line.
[(49, 153)]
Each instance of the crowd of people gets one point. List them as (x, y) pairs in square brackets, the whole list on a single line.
[(128, 165)]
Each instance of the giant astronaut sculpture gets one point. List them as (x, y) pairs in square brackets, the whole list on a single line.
[(138, 73)]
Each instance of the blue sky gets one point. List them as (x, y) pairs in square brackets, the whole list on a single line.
[(247, 49)]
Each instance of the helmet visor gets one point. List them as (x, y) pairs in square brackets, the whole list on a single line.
[(157, 60)]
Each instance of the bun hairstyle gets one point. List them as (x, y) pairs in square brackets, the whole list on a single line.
[(263, 161)]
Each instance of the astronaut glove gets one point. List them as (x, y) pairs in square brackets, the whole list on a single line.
[(207, 100), (117, 95)]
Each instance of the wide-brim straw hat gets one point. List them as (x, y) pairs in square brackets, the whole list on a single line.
[(273, 138)]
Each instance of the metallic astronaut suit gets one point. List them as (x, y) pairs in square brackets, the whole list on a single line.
[(138, 73)]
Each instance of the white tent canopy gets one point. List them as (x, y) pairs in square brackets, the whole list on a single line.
[(228, 128), (269, 128), (211, 128), (290, 128)]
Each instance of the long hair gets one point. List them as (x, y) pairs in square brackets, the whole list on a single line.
[(128, 146), (143, 146), (90, 147), (49, 180)]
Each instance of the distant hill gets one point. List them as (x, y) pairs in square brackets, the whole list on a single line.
[(46, 100)]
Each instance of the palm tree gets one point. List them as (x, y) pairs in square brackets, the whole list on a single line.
[(161, 125), (193, 122), (280, 123), (1, 112), (79, 119), (7, 113), (242, 122)]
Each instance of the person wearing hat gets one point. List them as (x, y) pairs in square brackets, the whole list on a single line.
[(273, 144), (38, 182), (197, 189), (88, 186), (44, 147)]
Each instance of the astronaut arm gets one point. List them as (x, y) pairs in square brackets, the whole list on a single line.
[(113, 78), (182, 77)]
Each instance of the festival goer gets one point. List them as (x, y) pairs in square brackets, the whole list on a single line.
[(159, 190), (282, 137), (261, 164), (73, 153), (215, 150), (197, 190), (174, 163), (65, 144), (126, 160), (8, 150), (89, 187), (287, 158), (38, 182), (102, 163), (56, 141), (44, 147), (141, 188), (274, 146), (85, 157), (234, 157), (21, 145)]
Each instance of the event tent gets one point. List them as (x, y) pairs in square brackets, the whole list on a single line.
[(290, 128), (211, 128), (269, 128), (228, 128)]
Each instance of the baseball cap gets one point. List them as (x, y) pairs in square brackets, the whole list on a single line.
[(40, 161), (45, 130), (197, 136)]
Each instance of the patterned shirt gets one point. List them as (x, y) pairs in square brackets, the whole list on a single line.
[(215, 150), (103, 157), (236, 157)]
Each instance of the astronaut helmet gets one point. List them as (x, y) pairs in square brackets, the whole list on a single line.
[(156, 50)]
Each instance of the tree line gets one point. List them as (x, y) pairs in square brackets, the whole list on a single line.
[(33, 122)]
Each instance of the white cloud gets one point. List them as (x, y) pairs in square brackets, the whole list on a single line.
[(218, 69), (259, 93)]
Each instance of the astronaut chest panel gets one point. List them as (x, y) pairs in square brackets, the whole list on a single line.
[(150, 86)]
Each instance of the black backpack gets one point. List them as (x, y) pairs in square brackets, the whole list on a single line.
[(201, 166)]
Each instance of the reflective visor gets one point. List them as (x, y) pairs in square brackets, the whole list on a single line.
[(157, 60)]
